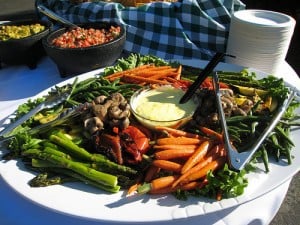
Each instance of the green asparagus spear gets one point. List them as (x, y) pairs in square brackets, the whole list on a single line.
[(82, 154), (92, 174)]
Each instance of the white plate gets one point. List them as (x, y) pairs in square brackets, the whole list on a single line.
[(80, 200)]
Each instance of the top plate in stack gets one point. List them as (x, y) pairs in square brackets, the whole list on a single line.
[(259, 39)]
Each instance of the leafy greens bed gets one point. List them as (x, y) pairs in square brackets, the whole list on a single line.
[(118, 153)]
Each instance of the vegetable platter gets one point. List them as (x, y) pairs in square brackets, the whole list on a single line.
[(89, 201)]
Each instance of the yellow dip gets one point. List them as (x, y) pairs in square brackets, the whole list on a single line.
[(162, 104)]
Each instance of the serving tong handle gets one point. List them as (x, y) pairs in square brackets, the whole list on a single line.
[(50, 102), (47, 12), (237, 160)]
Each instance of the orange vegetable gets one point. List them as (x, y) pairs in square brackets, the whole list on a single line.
[(167, 165), (212, 133), (130, 78), (133, 188), (169, 189), (178, 141), (117, 75), (196, 157), (212, 166), (211, 156), (151, 173), (176, 132), (173, 146), (219, 195), (179, 70), (162, 182), (173, 153)]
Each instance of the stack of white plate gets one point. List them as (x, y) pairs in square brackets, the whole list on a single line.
[(259, 39)]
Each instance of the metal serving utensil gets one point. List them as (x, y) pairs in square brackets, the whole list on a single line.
[(238, 160), (61, 119), (54, 16), (50, 102)]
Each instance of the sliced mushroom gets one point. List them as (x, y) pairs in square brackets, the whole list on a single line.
[(93, 124)]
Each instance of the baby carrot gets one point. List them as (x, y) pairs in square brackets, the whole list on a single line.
[(165, 190), (151, 173), (173, 146), (196, 157), (137, 79), (121, 73), (176, 132), (133, 188), (179, 71), (173, 153), (212, 133), (212, 166), (178, 141), (167, 165), (162, 182), (169, 189), (165, 73), (207, 159)]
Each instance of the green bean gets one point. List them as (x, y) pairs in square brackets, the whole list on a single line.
[(82, 87), (284, 135), (275, 144), (103, 92), (109, 88), (236, 119), (265, 158)]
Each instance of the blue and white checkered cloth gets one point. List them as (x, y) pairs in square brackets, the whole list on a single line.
[(187, 29)]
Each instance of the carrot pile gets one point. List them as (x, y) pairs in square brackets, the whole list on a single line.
[(148, 74), (181, 161)]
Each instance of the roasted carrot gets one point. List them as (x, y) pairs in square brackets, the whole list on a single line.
[(121, 73), (178, 141), (133, 188), (212, 166), (173, 153), (212, 133), (219, 195), (190, 186), (167, 165), (156, 72), (174, 146), (169, 189), (164, 74), (179, 71), (162, 182), (197, 156), (211, 156), (176, 132), (151, 173), (137, 79)]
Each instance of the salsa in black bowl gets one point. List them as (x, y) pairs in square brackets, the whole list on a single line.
[(91, 46)]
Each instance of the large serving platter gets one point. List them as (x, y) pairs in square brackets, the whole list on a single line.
[(84, 201)]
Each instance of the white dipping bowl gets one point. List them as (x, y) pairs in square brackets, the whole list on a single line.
[(160, 106)]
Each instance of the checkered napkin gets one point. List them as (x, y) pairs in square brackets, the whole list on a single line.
[(171, 30)]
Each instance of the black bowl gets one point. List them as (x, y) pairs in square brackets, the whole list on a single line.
[(26, 50), (72, 61)]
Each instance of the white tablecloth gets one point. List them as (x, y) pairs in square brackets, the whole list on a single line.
[(19, 83)]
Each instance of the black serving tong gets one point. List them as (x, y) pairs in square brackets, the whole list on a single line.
[(204, 74), (237, 160)]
